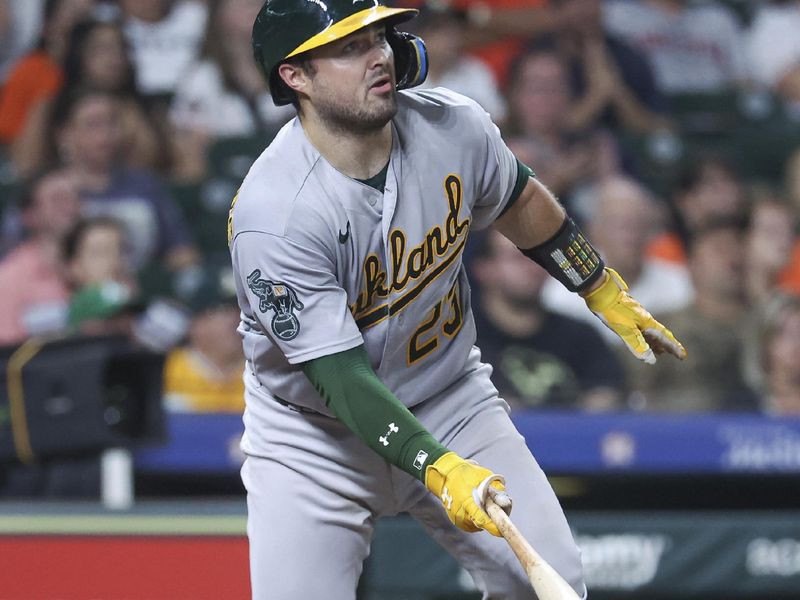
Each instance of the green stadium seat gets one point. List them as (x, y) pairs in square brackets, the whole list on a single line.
[(657, 159), (717, 114)]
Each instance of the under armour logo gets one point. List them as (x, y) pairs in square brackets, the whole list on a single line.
[(384, 439), (447, 499)]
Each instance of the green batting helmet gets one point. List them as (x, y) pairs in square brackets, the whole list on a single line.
[(287, 28)]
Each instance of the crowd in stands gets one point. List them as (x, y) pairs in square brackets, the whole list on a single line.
[(670, 129)]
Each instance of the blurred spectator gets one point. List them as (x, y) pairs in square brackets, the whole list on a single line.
[(774, 49), (614, 83), (87, 127), (709, 187), (35, 294), (39, 75), (793, 180), (712, 328), (624, 221), (540, 102), (206, 374), (104, 290), (451, 67), (223, 94), (165, 37), (6, 37), (105, 295), (778, 349), (791, 279), (497, 30), (96, 58), (541, 359), (693, 47), (771, 240), (20, 25)]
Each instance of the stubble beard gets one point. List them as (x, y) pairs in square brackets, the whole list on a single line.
[(360, 120)]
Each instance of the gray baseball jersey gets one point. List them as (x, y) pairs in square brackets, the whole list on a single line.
[(324, 262)]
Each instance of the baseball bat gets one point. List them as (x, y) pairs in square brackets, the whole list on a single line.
[(547, 584)]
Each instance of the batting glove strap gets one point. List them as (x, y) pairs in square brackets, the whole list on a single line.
[(462, 487), (612, 304)]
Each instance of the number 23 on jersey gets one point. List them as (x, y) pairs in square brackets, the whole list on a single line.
[(444, 319)]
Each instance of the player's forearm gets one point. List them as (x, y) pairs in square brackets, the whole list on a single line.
[(541, 228), (534, 218), (353, 392)]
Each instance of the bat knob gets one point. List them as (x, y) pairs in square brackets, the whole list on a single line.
[(501, 498)]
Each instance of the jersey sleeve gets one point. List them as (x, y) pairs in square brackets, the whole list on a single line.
[(293, 293), (497, 174)]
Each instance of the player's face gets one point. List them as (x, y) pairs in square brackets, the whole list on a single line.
[(352, 85)]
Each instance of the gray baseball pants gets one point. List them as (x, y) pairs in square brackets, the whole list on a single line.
[(313, 500)]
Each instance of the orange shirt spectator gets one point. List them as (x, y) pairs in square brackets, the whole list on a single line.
[(499, 55), (669, 247), (789, 279), (36, 77)]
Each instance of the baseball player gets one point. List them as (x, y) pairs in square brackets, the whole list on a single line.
[(365, 393)]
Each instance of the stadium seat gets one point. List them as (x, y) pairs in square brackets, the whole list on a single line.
[(716, 114)]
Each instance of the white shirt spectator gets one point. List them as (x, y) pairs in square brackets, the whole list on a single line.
[(662, 287), (696, 49), (163, 51), (473, 79), (773, 42), (202, 102)]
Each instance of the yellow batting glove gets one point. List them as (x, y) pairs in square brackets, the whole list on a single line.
[(462, 487), (630, 321)]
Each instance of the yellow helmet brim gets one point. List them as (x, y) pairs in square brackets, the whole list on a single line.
[(350, 24)]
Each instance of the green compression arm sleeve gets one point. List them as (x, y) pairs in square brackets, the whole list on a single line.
[(353, 392)]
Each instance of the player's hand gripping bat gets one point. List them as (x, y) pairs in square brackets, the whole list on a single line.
[(547, 584)]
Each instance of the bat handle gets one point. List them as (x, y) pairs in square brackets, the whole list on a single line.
[(546, 582), (522, 549)]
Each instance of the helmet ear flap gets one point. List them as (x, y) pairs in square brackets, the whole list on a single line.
[(410, 58)]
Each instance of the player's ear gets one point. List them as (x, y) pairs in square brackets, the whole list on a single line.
[(295, 77)]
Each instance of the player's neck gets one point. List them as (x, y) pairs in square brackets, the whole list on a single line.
[(357, 155)]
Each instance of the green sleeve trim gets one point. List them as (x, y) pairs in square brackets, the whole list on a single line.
[(353, 392), (523, 173)]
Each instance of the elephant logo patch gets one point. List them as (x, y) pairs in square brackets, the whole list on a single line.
[(281, 299)]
